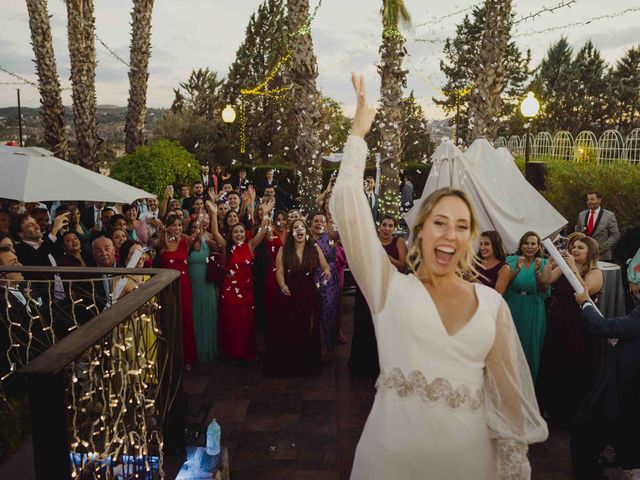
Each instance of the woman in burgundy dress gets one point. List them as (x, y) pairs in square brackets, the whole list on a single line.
[(570, 357), (493, 269), (363, 362), (174, 252), (237, 328), (293, 332)]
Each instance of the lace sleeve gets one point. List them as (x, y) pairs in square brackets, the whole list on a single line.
[(367, 258), (510, 401)]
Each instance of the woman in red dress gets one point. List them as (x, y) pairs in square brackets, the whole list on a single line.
[(174, 251), (236, 320)]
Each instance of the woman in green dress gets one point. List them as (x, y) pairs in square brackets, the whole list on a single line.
[(205, 297), (525, 296)]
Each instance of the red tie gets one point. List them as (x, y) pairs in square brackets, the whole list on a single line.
[(590, 224)]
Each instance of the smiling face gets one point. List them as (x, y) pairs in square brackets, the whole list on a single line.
[(593, 201), (152, 203), (175, 228), (223, 208), (234, 201), (530, 246), (238, 234), (281, 221), (293, 215), (71, 243), (445, 237), (198, 189), (386, 229), (30, 230), (486, 248), (104, 252), (318, 224), (227, 187), (185, 191), (119, 237), (232, 219), (131, 214), (299, 231), (120, 223), (74, 215)]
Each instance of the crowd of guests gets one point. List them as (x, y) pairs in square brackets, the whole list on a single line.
[(250, 262)]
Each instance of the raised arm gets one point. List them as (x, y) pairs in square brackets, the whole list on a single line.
[(213, 212), (264, 226), (367, 258)]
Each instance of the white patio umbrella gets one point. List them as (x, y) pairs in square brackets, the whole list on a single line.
[(32, 174)]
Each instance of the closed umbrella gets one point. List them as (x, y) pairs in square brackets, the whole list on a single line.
[(33, 174)]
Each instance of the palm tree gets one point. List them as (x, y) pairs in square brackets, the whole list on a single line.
[(138, 74), (485, 103), (51, 110), (307, 102), (82, 52), (392, 80)]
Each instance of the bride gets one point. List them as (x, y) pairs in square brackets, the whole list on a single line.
[(454, 397)]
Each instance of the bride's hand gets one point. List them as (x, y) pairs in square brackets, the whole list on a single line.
[(364, 112)]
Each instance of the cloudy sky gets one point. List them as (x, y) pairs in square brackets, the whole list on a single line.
[(346, 34)]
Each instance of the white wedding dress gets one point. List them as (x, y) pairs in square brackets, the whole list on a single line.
[(447, 407)]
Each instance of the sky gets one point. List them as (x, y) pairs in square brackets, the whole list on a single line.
[(189, 34)]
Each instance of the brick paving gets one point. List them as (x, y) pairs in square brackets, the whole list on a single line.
[(307, 429)]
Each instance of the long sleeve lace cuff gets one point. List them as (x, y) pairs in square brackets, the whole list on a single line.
[(513, 461), (353, 161)]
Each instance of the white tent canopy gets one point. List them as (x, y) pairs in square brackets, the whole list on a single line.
[(33, 174), (503, 199)]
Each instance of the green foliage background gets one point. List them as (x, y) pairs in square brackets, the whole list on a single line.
[(154, 167), (568, 183)]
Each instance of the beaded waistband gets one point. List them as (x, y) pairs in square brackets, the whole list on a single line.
[(438, 390)]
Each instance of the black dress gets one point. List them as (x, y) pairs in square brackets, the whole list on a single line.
[(570, 357), (363, 361)]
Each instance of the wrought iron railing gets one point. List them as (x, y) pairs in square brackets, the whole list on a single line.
[(105, 397), (611, 146)]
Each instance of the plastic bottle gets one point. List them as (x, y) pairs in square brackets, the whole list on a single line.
[(213, 438)]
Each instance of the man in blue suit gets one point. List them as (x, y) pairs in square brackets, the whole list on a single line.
[(610, 415)]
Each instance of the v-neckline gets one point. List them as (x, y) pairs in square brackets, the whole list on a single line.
[(439, 318)]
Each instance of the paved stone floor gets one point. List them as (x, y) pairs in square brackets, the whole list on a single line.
[(307, 429)]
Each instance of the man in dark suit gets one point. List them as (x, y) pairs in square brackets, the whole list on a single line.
[(600, 224), (268, 181), (611, 412), (206, 178), (241, 184), (90, 216), (198, 192), (372, 198), (31, 248)]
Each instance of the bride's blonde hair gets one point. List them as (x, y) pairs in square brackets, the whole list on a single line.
[(465, 267)]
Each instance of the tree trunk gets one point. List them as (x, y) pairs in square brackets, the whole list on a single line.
[(138, 74), (51, 110), (82, 53), (392, 80), (485, 104), (307, 104)]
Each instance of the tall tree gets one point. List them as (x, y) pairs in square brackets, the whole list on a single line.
[(392, 80), (307, 102), (52, 111), (194, 119), (268, 117), (82, 53), (485, 102), (140, 52), (460, 57), (416, 141), (589, 89), (552, 85), (625, 90)]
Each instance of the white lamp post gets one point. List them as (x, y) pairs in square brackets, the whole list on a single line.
[(529, 107)]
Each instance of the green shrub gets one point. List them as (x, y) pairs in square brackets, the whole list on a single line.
[(153, 167), (568, 183)]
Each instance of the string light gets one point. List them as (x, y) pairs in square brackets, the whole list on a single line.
[(581, 23)]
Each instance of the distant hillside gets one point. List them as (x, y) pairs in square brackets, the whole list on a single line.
[(111, 121)]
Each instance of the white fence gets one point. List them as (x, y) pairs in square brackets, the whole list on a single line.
[(610, 147)]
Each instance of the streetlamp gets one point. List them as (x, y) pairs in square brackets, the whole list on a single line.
[(228, 117), (529, 108)]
